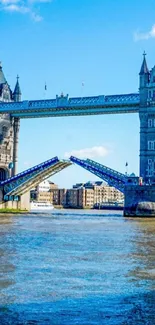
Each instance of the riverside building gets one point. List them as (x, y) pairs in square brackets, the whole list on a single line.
[(49, 192), (89, 194), (82, 195)]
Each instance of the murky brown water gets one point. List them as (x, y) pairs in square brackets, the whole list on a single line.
[(77, 267)]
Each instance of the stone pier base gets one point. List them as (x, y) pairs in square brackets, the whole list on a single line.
[(22, 204), (139, 201)]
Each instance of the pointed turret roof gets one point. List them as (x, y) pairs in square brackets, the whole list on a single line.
[(144, 69), (2, 78), (17, 90)]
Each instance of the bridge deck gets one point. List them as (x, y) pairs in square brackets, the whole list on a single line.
[(26, 180), (112, 177), (65, 106)]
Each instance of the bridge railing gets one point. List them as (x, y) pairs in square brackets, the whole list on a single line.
[(64, 102), (30, 170), (112, 177)]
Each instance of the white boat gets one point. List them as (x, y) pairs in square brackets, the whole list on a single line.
[(41, 206)]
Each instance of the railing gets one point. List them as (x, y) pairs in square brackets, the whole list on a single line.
[(64, 102), (30, 170), (112, 177)]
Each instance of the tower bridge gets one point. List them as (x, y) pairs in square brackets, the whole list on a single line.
[(139, 191)]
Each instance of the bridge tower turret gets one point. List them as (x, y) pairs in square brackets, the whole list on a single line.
[(144, 76), (16, 125), (17, 92), (147, 122)]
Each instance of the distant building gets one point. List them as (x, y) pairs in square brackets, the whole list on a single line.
[(82, 195), (43, 186), (48, 191), (52, 185), (42, 193), (91, 193), (59, 195)]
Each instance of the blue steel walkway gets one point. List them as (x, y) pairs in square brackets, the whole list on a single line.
[(65, 106)]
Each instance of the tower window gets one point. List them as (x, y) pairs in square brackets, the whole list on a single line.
[(150, 123), (151, 167), (4, 129), (151, 145), (2, 174), (149, 94)]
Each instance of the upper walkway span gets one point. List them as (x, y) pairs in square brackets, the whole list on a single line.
[(65, 106)]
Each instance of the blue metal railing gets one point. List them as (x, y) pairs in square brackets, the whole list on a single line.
[(31, 170), (107, 170), (112, 177), (65, 103)]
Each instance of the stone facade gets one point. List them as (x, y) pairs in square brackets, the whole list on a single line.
[(139, 200), (6, 145), (9, 130), (22, 204), (147, 123)]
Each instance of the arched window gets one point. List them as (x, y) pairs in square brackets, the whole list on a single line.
[(1, 138), (2, 174), (4, 129)]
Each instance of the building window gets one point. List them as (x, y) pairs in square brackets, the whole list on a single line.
[(151, 145), (2, 174), (151, 167), (149, 122), (4, 129), (150, 94)]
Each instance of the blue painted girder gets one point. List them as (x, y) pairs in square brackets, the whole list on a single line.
[(112, 177), (43, 175), (65, 106), (26, 179)]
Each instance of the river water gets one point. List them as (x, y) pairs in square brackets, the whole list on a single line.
[(77, 267)]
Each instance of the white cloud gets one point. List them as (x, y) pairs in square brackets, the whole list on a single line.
[(145, 36), (16, 8), (8, 2), (93, 152), (23, 7), (36, 17)]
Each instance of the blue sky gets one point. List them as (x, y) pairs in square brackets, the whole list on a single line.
[(67, 43)]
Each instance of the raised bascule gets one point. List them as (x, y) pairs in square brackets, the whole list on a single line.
[(139, 191)]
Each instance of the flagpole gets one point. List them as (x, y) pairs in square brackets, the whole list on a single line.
[(82, 88), (126, 165), (45, 89)]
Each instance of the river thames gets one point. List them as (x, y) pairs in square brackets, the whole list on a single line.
[(77, 267)]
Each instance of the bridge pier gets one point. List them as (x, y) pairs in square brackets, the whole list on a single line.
[(139, 201), (23, 202)]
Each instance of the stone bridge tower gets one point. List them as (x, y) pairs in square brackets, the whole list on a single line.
[(9, 130), (147, 122)]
